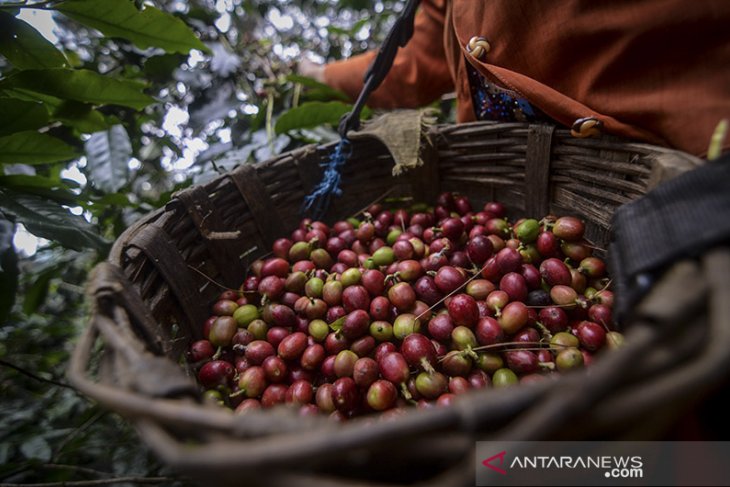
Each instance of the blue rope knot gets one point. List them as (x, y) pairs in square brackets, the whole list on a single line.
[(319, 200)]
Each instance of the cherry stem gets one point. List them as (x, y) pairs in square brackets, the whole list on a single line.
[(376, 200), (406, 393), (470, 351), (217, 353), (451, 293), (545, 332), (503, 344), (570, 305), (213, 281), (426, 366)]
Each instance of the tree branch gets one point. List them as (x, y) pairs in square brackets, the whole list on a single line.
[(46, 5), (34, 376), (109, 481)]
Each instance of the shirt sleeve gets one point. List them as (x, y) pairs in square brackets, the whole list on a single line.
[(419, 75)]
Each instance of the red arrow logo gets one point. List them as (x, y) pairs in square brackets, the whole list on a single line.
[(488, 462)]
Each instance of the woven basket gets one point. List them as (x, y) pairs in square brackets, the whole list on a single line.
[(151, 297)]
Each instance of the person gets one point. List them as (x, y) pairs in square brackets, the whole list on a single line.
[(650, 70)]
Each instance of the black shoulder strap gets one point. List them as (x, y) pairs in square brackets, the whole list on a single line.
[(681, 218), (399, 35)]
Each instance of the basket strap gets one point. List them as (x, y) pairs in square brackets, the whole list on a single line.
[(399, 35), (252, 189), (222, 245), (159, 249), (109, 287), (537, 169)]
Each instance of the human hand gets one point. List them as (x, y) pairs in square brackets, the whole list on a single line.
[(311, 70)]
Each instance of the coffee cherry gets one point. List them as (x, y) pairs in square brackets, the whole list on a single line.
[(569, 359), (614, 340), (508, 260), (431, 385), (568, 228), (216, 373), (504, 378), (478, 379), (300, 392), (274, 394), (274, 368), (201, 350), (527, 230), (318, 330), (449, 279), (292, 346), (463, 310), (488, 331), (345, 363), (440, 327), (312, 357), (244, 315), (363, 346), (393, 367), (252, 382), (522, 361), (591, 335), (355, 297), (489, 362), (419, 352), (344, 394), (338, 330), (404, 325), (381, 395), (555, 272), (514, 285), (402, 296), (258, 350), (514, 316), (365, 372)]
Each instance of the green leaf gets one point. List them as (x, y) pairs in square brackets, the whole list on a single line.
[(25, 47), (160, 68), (49, 220), (47, 187), (35, 294), (107, 155), (31, 147), (19, 115), (36, 448), (318, 90), (80, 116), (149, 27), (8, 269), (79, 85), (119, 200), (312, 114), (337, 324), (51, 102)]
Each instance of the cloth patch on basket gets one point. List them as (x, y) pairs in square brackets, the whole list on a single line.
[(681, 218), (403, 134)]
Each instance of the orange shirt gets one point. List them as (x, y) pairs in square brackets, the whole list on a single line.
[(652, 70)]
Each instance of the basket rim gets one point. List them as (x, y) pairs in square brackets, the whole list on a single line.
[(462, 416)]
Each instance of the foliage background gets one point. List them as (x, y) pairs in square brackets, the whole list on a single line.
[(98, 128)]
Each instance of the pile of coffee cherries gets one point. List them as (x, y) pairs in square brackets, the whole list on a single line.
[(406, 307)]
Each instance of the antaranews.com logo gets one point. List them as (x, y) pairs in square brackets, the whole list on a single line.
[(599, 463), (607, 465)]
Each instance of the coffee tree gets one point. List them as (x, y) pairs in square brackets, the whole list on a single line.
[(129, 102)]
